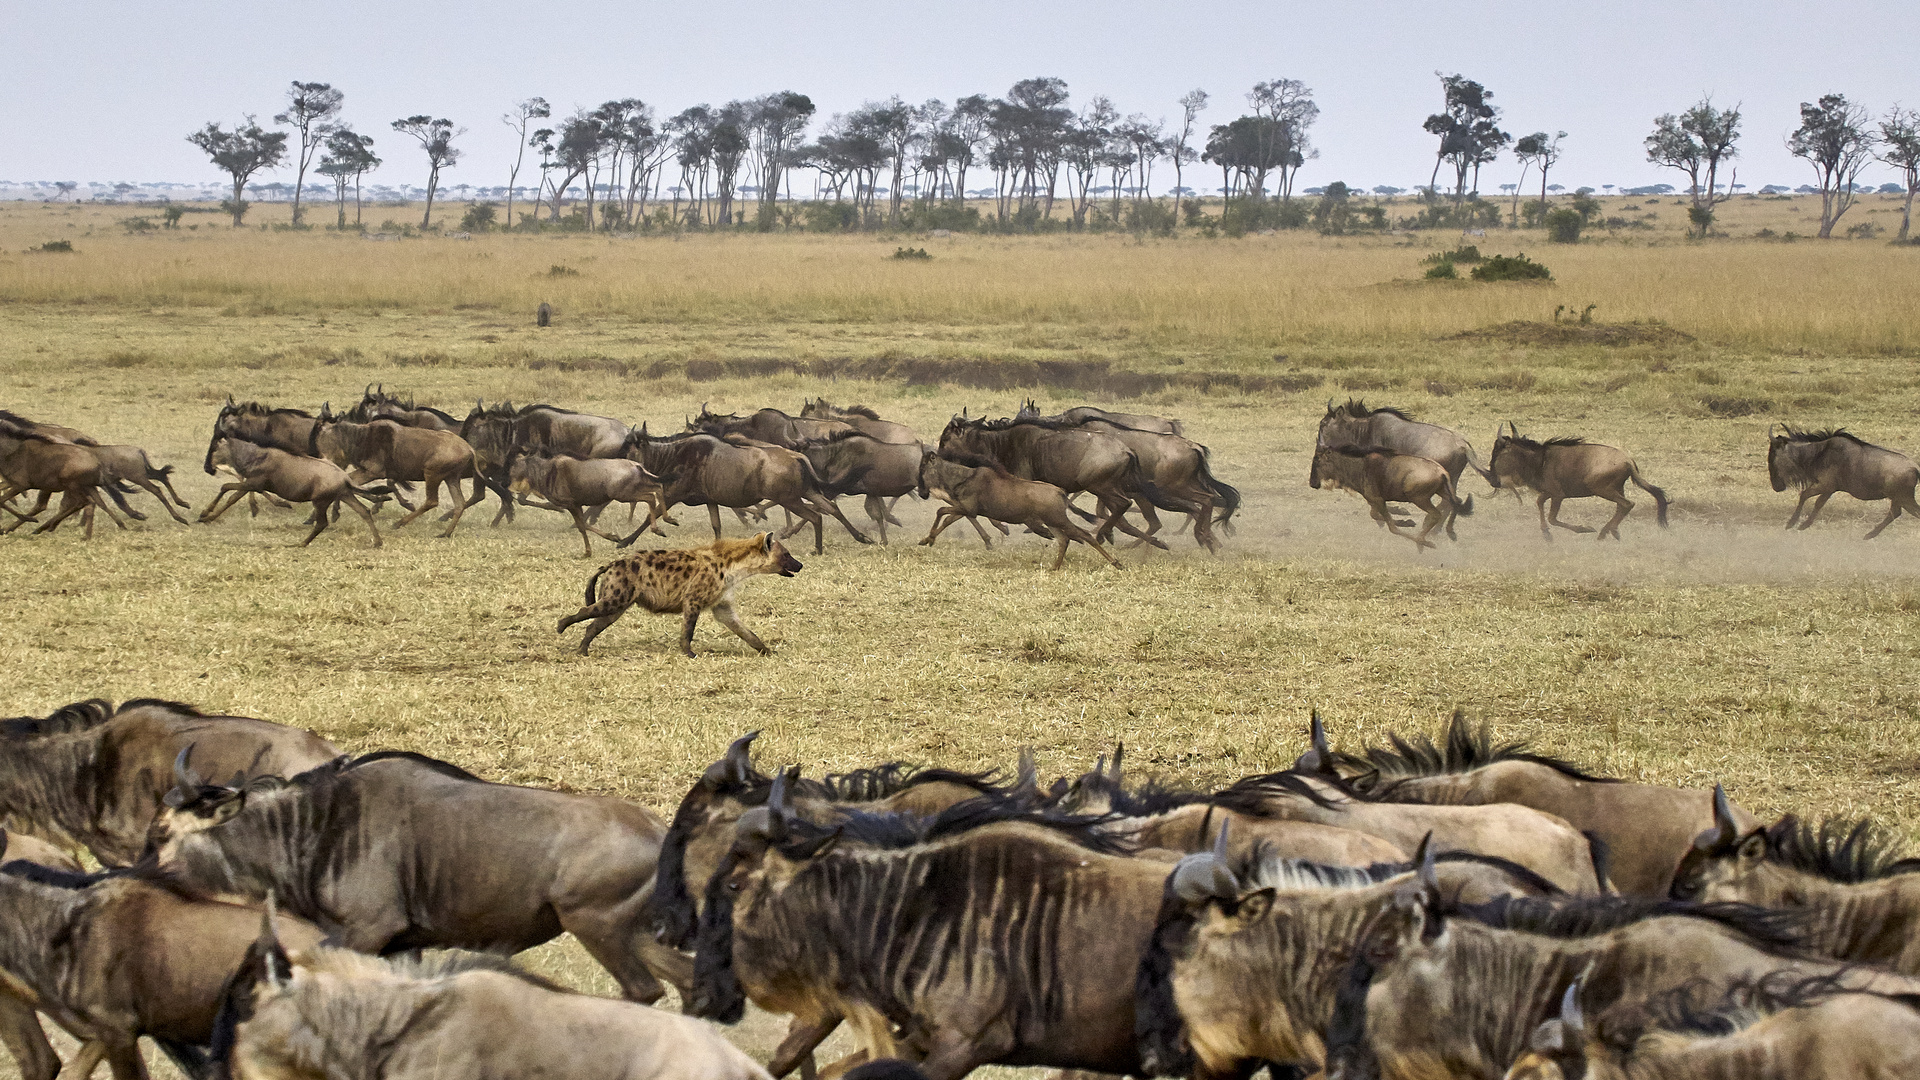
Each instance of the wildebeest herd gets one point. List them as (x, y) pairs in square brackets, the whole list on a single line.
[(1431, 907)]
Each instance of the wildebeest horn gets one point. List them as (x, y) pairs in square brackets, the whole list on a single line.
[(1119, 751), (1027, 774), (1220, 841), (1570, 1016), (1725, 830), (1429, 876), (738, 762), (183, 773), (777, 806)]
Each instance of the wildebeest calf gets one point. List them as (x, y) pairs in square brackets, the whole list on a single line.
[(688, 581)]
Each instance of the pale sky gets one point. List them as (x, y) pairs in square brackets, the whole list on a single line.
[(107, 90)]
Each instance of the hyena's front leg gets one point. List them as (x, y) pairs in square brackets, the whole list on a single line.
[(731, 620)]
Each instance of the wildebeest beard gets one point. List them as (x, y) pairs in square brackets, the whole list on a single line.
[(717, 994)]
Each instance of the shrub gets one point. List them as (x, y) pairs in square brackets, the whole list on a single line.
[(138, 224), (1511, 268), (56, 247), (1563, 225), (1442, 271), (171, 216), (832, 217), (1150, 216), (922, 217), (910, 253), (479, 217), (557, 270), (1465, 253), (237, 210)]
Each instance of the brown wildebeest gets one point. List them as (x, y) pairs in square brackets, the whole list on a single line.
[(290, 430), (53, 431), (861, 418), (563, 431), (1644, 829), (312, 1012), (30, 461), (380, 405), (489, 429), (1354, 424), (1862, 901), (574, 485), (1381, 476), (1435, 982), (1183, 481), (293, 477), (95, 776), (859, 464), (111, 958), (1067, 457), (1570, 468), (419, 853), (1820, 463), (768, 426), (979, 487), (1081, 414), (131, 465), (1777, 1030), (387, 450), (1245, 959), (701, 469)]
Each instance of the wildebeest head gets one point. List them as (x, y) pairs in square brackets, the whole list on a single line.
[(193, 805), (1720, 856), (715, 797), (1515, 460), (1095, 792)]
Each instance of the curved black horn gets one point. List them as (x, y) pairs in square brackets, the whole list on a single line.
[(1726, 830), (183, 774), (739, 764), (1429, 876), (1119, 751)]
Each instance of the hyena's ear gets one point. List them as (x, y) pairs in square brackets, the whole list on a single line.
[(766, 541)]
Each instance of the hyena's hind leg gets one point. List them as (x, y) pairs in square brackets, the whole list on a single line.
[(605, 610)]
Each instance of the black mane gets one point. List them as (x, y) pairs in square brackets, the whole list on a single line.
[(895, 831), (1354, 450), (443, 768), (830, 437), (857, 410), (1357, 410), (1586, 916), (180, 707), (255, 408), (1795, 434), (78, 716), (1462, 749), (1837, 849)]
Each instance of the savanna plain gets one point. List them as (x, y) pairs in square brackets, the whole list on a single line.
[(1785, 665)]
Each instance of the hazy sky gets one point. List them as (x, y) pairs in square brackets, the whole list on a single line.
[(108, 90)]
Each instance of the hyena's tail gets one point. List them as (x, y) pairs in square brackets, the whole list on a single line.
[(593, 585)]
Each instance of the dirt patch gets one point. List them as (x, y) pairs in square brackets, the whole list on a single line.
[(1097, 376), (1523, 332)]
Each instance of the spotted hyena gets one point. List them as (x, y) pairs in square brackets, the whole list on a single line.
[(688, 581)]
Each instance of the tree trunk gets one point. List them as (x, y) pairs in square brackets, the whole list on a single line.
[(433, 182), (340, 201), (300, 180), (239, 208), (356, 198), (1906, 213)]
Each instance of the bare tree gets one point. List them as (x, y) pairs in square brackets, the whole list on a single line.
[(311, 109), (524, 113), (1698, 142), (1192, 104), (1900, 148), (240, 153), (348, 155), (436, 138), (1833, 137)]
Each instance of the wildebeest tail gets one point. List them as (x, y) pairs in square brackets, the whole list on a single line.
[(1462, 507), (1660, 500), (1226, 496), (593, 585)]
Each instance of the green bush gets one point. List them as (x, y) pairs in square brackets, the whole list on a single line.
[(1511, 268), (1702, 219), (479, 217), (1563, 225), (923, 217), (1465, 253), (832, 217), (55, 247), (911, 253), (1442, 271), (1150, 216)]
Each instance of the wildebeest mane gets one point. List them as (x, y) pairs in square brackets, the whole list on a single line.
[(1356, 450), (55, 876), (856, 410), (830, 438), (1249, 794), (1587, 916), (180, 707), (1151, 799), (77, 716), (893, 831), (1700, 1008), (1797, 435), (1264, 866), (893, 777), (30, 435), (443, 768), (1836, 849), (11, 417), (1464, 748), (1357, 409), (254, 408)]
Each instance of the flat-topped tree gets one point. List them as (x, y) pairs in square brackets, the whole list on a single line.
[(1833, 137), (1698, 142), (436, 138), (240, 153), (311, 110)]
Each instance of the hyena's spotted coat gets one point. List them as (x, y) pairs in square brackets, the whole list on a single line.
[(688, 581)]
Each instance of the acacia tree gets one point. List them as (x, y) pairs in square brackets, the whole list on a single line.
[(776, 124), (966, 131), (1539, 149), (1833, 138), (240, 153), (1192, 104), (1289, 104), (1900, 148), (311, 109), (729, 150), (347, 156), (436, 138), (1698, 142), (524, 113), (1468, 130)]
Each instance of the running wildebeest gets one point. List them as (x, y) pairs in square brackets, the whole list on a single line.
[(324, 1012), (1776, 1030), (1069, 458), (285, 429), (388, 450), (701, 469), (1570, 468), (130, 464), (682, 582), (768, 425), (1354, 424), (1183, 479), (859, 464), (861, 418), (394, 851), (98, 775), (1819, 463), (1862, 901), (976, 487), (30, 461), (377, 404), (293, 477), (1645, 828), (56, 432), (575, 485), (1381, 476), (111, 958), (1080, 414)]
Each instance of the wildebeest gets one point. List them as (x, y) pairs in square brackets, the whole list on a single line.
[(1183, 480), (1080, 414), (30, 461), (1069, 458), (859, 464), (1861, 900), (1819, 463), (543, 315), (317, 1011), (1778, 1030), (380, 405), (95, 776), (112, 958), (1570, 467), (293, 477), (1381, 476), (130, 464), (701, 469), (768, 425), (388, 450), (57, 432), (498, 432), (1645, 828), (861, 418), (975, 487), (789, 923), (394, 851), (285, 429), (575, 485), (1354, 424), (682, 582)]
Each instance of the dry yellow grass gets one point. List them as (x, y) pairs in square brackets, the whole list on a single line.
[(1723, 649)]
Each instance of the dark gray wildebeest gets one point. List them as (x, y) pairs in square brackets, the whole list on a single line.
[(380, 405), (111, 958), (861, 418), (1570, 467), (324, 1012), (1803, 1029), (291, 477), (290, 430), (1643, 829), (1080, 414), (94, 776), (1819, 463), (699, 469), (495, 432), (394, 851), (1381, 476), (1354, 424), (30, 461), (859, 464), (1245, 959), (790, 924), (57, 432), (975, 487), (388, 450), (768, 426), (1441, 989), (1182, 476), (1862, 902), (1069, 458), (576, 485)]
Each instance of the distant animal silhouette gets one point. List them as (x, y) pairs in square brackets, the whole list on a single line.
[(544, 316)]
